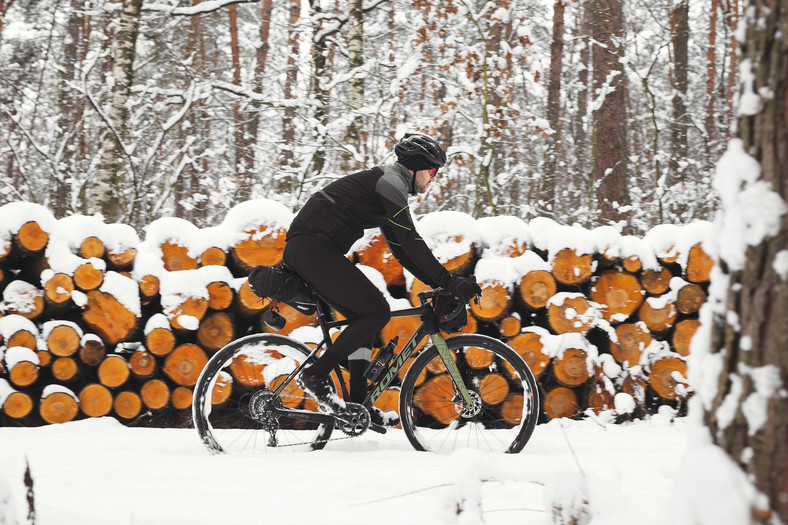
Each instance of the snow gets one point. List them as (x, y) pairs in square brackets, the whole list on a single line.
[(164, 476), (11, 324), (19, 296), (124, 289), (17, 354)]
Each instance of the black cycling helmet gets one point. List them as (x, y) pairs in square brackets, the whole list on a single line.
[(420, 149)]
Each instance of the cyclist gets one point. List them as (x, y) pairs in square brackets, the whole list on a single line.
[(324, 230)]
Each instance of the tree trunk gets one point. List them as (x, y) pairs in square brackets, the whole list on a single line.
[(750, 345), (241, 165), (548, 180), (107, 194), (681, 121), (355, 49), (291, 81), (610, 152)]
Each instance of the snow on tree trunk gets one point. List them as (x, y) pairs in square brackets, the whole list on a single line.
[(739, 363)]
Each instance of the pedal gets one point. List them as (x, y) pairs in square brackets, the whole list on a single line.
[(380, 429)]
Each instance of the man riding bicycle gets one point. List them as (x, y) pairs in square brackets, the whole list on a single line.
[(323, 232)]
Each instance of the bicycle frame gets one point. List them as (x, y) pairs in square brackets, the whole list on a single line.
[(428, 327)]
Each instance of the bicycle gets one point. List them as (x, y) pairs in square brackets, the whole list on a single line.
[(482, 393)]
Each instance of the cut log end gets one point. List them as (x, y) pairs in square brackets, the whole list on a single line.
[(560, 402), (58, 407)]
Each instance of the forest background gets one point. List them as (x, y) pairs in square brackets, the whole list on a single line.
[(587, 111)]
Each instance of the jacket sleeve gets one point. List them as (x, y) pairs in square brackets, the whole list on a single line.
[(405, 242)]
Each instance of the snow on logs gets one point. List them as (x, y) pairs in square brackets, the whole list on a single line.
[(96, 322)]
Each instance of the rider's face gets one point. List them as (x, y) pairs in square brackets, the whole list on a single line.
[(423, 179)]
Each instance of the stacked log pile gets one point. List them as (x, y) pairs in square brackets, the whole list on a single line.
[(96, 322)]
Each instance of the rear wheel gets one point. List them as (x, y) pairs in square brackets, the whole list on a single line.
[(234, 399), (504, 399)]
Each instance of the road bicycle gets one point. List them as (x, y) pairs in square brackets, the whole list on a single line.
[(462, 391)]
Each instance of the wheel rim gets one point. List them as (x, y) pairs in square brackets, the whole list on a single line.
[(504, 404), (234, 399)]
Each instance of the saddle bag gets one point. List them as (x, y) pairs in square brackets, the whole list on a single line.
[(283, 285)]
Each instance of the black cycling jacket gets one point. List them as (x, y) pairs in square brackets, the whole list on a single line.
[(373, 198)]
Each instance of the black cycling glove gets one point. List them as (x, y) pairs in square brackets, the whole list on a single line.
[(464, 288)]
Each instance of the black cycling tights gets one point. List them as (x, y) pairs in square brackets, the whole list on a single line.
[(346, 288)]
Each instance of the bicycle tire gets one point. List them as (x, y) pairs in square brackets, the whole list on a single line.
[(248, 367), (504, 387)]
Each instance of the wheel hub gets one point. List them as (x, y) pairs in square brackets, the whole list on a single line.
[(262, 407), (470, 410)]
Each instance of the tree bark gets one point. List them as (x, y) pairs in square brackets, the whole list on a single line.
[(610, 152), (548, 179), (753, 344), (681, 122), (356, 92)]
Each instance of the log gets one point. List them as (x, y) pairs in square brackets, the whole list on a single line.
[(570, 368), (512, 409), (292, 396), (155, 394), (30, 238), (422, 375), (176, 257), (262, 246), (127, 404), (222, 388), (560, 402), (402, 327), (18, 405), (377, 255), (23, 299), (65, 369), (436, 366), (478, 358), (64, 340), (58, 407), (22, 337), (143, 364), (599, 399), (92, 351), (619, 295), (494, 304), (247, 370), (113, 371), (656, 282), (247, 303), (106, 316), (632, 264), (699, 265), (493, 389), (569, 268), (91, 247), (294, 319), (658, 314), (95, 400), (220, 295), (635, 387), (57, 292), (662, 377), (184, 364), (216, 330), (529, 346), (121, 259), (565, 313), (181, 398), (510, 326), (632, 340), (44, 359), (23, 373), (536, 288), (149, 288), (682, 336), (690, 298), (160, 341), (87, 277), (416, 288), (213, 256), (389, 401), (187, 315), (435, 396)]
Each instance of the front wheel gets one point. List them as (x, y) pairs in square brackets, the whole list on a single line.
[(234, 400), (505, 399)]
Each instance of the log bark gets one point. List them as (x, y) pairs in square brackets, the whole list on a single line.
[(663, 380), (569, 268), (64, 340), (570, 368), (216, 330), (618, 293), (560, 402), (632, 340), (58, 407), (106, 316), (699, 265), (155, 394), (536, 288), (113, 371), (92, 351), (127, 404), (95, 400), (184, 364)]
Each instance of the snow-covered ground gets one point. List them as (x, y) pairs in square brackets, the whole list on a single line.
[(97, 471)]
